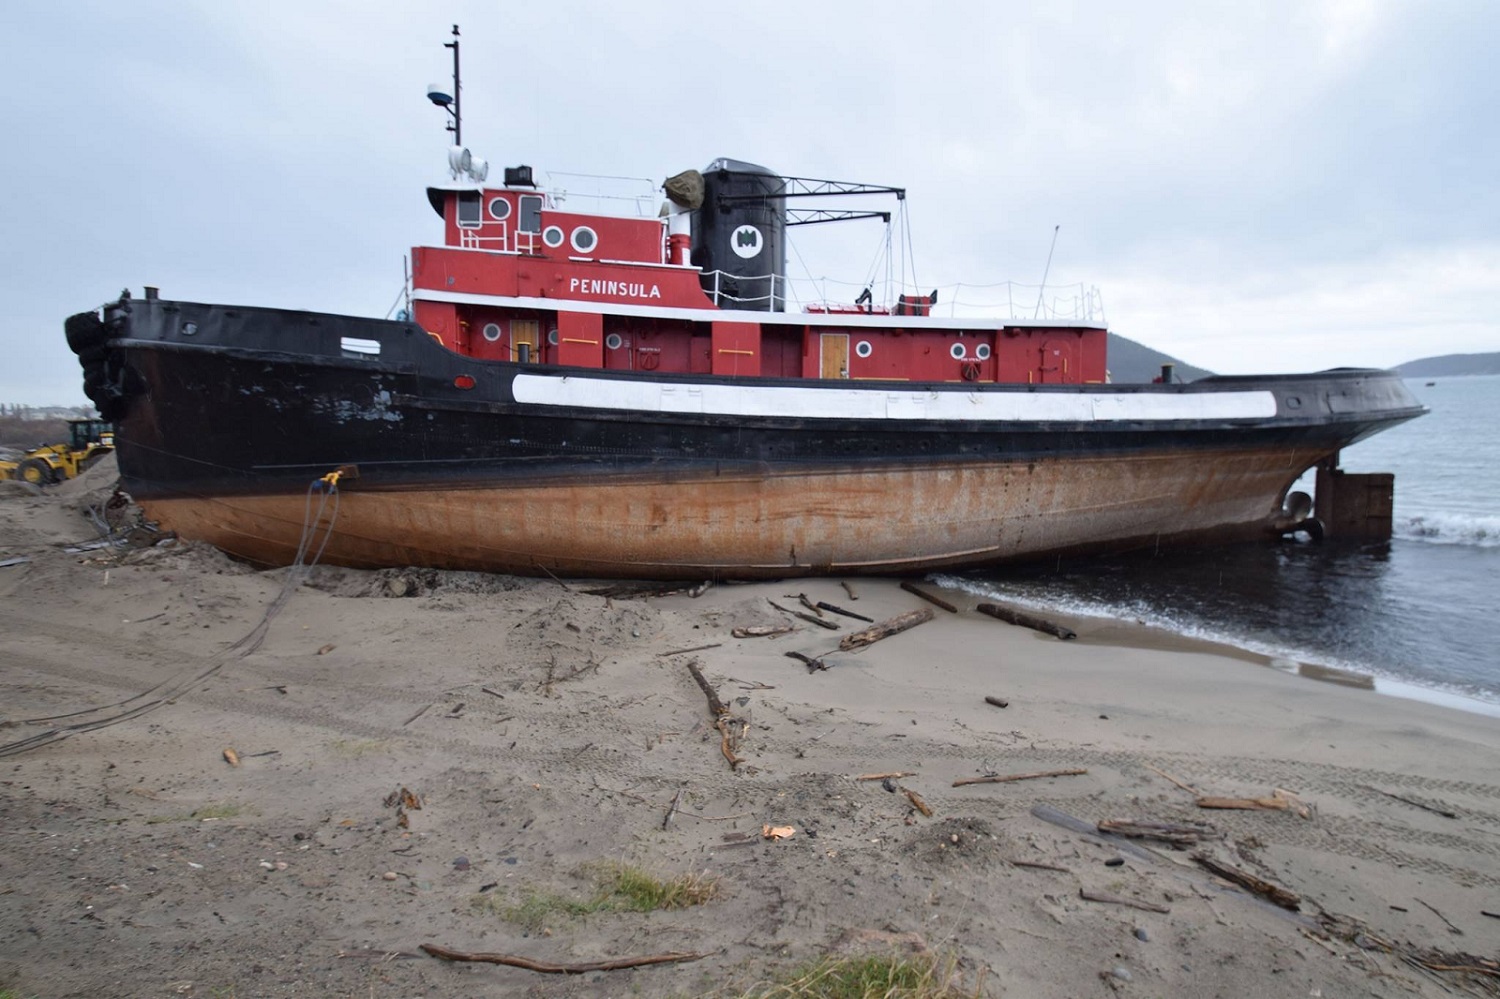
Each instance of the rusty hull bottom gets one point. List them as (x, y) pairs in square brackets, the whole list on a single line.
[(848, 520)]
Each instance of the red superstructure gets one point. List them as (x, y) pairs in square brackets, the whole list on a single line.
[(518, 279)]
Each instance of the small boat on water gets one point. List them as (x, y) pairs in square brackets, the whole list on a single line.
[(589, 394)]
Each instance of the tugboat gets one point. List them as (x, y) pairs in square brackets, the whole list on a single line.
[(587, 394)]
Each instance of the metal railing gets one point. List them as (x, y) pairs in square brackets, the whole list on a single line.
[(1008, 300)]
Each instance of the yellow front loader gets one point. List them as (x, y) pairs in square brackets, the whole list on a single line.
[(89, 440)]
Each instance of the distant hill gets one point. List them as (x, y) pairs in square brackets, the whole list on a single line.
[(1134, 363), (1452, 364)]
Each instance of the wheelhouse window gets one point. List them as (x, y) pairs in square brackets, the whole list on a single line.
[(469, 210), (531, 213)]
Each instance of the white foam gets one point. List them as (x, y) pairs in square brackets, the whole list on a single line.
[(1477, 530)]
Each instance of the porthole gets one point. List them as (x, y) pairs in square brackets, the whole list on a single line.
[(492, 332), (956, 352), (552, 236), (982, 352), (863, 349), (613, 341), (499, 209), (552, 337), (584, 239)]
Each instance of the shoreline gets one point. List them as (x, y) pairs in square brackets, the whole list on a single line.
[(1137, 633), (545, 731)]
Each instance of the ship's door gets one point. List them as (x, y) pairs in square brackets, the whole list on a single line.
[(834, 351), (524, 332), (1056, 362)]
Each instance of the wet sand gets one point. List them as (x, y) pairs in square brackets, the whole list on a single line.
[(546, 729)]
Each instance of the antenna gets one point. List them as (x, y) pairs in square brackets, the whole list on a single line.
[(1045, 270), (452, 103)]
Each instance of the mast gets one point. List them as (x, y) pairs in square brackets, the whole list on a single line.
[(457, 128)]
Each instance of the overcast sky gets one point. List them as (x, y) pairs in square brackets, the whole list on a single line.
[(1252, 186)]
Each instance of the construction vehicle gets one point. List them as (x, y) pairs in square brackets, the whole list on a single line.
[(88, 441)]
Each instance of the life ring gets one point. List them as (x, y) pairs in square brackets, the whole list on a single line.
[(650, 360), (970, 371)]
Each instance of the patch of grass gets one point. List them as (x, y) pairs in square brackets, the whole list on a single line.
[(617, 888), (219, 811), (872, 976), (356, 748), (639, 891), (537, 909)]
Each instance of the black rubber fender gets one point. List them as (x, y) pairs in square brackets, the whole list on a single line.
[(83, 331)]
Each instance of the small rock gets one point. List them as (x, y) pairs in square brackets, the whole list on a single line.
[(281, 865), (1141, 934), (1104, 717), (196, 867), (389, 876), (266, 865), (1122, 973), (461, 863), (889, 785), (1114, 862)]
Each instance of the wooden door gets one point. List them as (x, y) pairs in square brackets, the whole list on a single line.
[(524, 331), (834, 351)]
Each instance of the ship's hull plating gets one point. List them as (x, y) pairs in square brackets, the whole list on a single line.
[(227, 415)]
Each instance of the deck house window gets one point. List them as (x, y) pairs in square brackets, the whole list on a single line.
[(468, 210), (531, 213)]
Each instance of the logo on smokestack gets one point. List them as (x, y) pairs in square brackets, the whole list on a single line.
[(746, 241)]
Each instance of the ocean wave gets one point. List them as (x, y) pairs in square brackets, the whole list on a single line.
[(1473, 529)]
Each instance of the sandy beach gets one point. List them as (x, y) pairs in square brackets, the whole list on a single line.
[(546, 730)]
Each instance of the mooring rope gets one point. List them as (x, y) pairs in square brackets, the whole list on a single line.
[(326, 491)]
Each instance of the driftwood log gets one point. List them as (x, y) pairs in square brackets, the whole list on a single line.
[(1279, 801), (1248, 881), (547, 968), (933, 599), (1178, 833), (1008, 778), (1038, 865), (1105, 897), (835, 608), (731, 729), (1012, 616), (1444, 812), (885, 629), (1005, 779), (810, 619), (813, 664), (762, 631)]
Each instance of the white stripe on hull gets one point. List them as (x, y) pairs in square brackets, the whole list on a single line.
[(582, 392)]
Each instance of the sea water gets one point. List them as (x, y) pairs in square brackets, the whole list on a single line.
[(1421, 613)]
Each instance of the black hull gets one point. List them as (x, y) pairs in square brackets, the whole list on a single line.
[(226, 415)]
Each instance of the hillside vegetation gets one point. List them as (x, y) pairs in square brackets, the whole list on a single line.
[(1452, 364), (1133, 363)]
